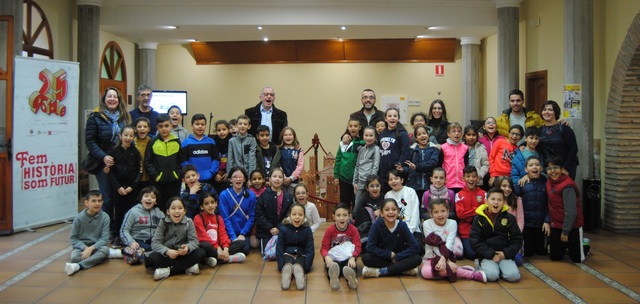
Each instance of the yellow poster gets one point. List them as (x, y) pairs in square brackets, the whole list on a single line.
[(572, 101)]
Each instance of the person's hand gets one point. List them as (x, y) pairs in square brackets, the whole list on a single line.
[(453, 266), (442, 263), (328, 261), (122, 192), (195, 188), (240, 237), (564, 238), (336, 181), (411, 165), (86, 253), (274, 231), (393, 256), (399, 167), (108, 160), (223, 254), (565, 172), (172, 254), (523, 181), (355, 188), (287, 181), (496, 257), (352, 262), (546, 229), (346, 139), (493, 178), (183, 250), (376, 213), (565, 122), (134, 245), (106, 169)]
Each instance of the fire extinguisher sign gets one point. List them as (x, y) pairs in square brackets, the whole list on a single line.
[(439, 70)]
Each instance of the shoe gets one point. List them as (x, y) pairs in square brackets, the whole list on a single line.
[(237, 258), (212, 262), (117, 242), (71, 268), (468, 267), (115, 253), (298, 274), (287, 270), (195, 269), (518, 259), (334, 274), (411, 272), (370, 272), (350, 274), (161, 273), (479, 276)]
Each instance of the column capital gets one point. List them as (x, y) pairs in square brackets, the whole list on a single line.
[(147, 45), (90, 2), (507, 3), (470, 40)]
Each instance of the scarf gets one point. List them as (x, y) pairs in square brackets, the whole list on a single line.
[(441, 192), (115, 127), (435, 240)]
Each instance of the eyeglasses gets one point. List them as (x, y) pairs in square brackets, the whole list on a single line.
[(369, 97), (145, 94), (551, 168), (269, 94), (515, 134)]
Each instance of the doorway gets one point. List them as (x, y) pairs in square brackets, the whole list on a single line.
[(535, 90)]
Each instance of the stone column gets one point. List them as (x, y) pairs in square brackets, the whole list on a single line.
[(147, 63), (13, 8), (578, 69), (89, 59), (508, 49), (470, 79)]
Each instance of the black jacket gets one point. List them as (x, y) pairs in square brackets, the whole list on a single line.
[(278, 122), (127, 170), (486, 237), (267, 215), (295, 240)]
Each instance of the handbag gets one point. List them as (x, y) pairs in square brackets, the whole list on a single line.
[(90, 164), (270, 249)]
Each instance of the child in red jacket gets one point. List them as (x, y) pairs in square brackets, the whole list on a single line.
[(340, 248), (467, 201)]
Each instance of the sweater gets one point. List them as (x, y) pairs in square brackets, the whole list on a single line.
[(296, 241), (367, 163), (170, 235), (89, 230), (127, 168), (500, 158), (291, 161), (394, 149), (140, 224), (425, 159), (334, 237), (447, 233), (150, 115), (203, 154), (382, 241), (267, 216), (534, 202), (210, 228), (467, 201), (242, 153), (453, 162), (346, 158), (487, 237), (409, 204), (312, 215), (161, 160), (238, 211), (565, 206)]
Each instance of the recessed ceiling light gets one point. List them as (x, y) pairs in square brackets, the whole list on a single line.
[(259, 27), (191, 40), (265, 39), (433, 28), (170, 27), (343, 28), (423, 36)]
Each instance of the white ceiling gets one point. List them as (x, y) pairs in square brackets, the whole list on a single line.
[(238, 20)]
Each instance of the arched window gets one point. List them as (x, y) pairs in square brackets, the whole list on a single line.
[(36, 36), (113, 70)]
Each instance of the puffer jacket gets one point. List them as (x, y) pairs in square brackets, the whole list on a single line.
[(532, 119), (425, 160), (487, 237), (518, 165), (267, 215), (99, 136), (297, 241), (534, 202)]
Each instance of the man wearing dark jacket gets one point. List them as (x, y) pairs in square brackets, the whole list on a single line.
[(265, 113), (367, 116)]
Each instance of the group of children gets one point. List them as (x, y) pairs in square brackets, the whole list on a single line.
[(404, 202)]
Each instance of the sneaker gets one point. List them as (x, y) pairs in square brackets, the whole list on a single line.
[(468, 267), (334, 273), (161, 273), (195, 269), (518, 259), (350, 274), (212, 262), (298, 274), (237, 258), (71, 268), (479, 276), (117, 242), (115, 253), (411, 272), (370, 272), (287, 270)]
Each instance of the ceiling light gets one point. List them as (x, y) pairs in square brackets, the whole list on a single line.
[(191, 40), (339, 39), (265, 39), (434, 28), (259, 28), (423, 37), (343, 28), (169, 27)]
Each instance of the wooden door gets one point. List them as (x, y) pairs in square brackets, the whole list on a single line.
[(6, 125), (536, 90)]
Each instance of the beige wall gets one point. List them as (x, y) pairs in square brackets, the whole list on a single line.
[(317, 97), (59, 13)]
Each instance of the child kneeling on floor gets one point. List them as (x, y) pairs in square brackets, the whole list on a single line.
[(496, 238), (340, 248), (89, 236), (295, 249), (391, 249), (175, 244), (439, 260)]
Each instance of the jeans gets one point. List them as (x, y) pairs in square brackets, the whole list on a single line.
[(106, 188)]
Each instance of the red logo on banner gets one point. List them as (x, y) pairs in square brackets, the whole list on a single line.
[(439, 69), (50, 96)]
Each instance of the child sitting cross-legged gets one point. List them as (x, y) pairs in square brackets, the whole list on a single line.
[(340, 248)]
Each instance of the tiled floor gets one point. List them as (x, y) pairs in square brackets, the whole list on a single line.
[(36, 275)]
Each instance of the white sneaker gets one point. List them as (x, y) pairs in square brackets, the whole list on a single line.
[(161, 273), (350, 274), (298, 274), (411, 272), (71, 268), (195, 269), (237, 258), (287, 270), (334, 274), (370, 272), (115, 253), (212, 262)]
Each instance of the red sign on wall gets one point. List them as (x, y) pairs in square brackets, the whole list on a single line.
[(439, 70)]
